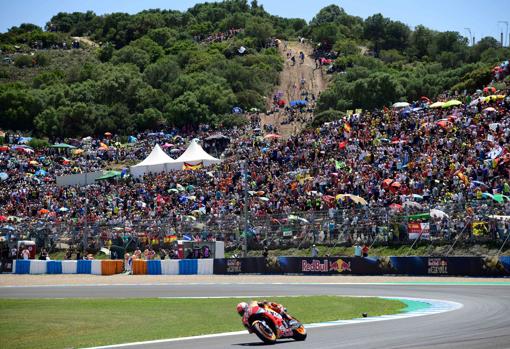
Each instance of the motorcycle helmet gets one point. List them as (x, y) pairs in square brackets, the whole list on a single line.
[(241, 308)]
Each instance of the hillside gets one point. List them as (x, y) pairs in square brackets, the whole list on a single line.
[(165, 68)]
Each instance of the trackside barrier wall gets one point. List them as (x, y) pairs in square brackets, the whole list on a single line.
[(95, 267), (205, 266), (170, 267), (69, 267), (54, 267), (110, 267), (465, 266)]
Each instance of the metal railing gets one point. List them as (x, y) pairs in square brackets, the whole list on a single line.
[(344, 226)]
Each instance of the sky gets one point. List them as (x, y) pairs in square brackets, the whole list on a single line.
[(481, 16)]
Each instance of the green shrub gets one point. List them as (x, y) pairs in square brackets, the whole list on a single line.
[(42, 59), (23, 61), (38, 143)]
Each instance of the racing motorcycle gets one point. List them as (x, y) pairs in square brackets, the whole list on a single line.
[(269, 325)]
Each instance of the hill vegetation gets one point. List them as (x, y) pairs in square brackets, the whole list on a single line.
[(164, 67)]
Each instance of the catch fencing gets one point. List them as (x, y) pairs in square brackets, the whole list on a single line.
[(476, 223)]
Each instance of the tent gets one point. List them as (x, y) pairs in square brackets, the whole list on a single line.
[(157, 161), (195, 155)]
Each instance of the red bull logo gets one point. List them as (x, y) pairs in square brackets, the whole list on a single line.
[(315, 266), (340, 265)]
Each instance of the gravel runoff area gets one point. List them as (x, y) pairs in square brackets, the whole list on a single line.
[(122, 279)]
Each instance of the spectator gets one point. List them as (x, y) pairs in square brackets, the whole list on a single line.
[(315, 251)]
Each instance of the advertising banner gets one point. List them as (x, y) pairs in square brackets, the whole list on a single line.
[(416, 230), (416, 265)]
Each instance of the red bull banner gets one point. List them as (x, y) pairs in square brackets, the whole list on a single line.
[(325, 266), (418, 231), (384, 265)]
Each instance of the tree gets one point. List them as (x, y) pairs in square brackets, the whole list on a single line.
[(260, 29), (133, 55), (186, 110), (165, 70), (375, 30)]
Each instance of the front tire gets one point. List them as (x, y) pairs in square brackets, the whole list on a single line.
[(264, 332), (299, 334)]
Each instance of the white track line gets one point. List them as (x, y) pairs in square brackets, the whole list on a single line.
[(403, 284), (436, 307)]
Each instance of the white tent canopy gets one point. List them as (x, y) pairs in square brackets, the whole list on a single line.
[(195, 154), (157, 161)]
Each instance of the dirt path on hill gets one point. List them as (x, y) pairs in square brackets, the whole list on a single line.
[(290, 85)]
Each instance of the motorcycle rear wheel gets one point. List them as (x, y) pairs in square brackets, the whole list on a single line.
[(264, 332)]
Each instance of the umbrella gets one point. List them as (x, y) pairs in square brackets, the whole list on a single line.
[(478, 183), (167, 145), (4, 148), (33, 162), (63, 209), (108, 134), (254, 110), (175, 150), (396, 207), (417, 197), (412, 204), (216, 137), (62, 146), (3, 176), (299, 102), (263, 198), (355, 198), (43, 211), (435, 213), (437, 105), (296, 218), (400, 105), (489, 110), (272, 136), (452, 103), (40, 173), (444, 123), (387, 182), (489, 89), (109, 174), (237, 110), (3, 219), (132, 139)]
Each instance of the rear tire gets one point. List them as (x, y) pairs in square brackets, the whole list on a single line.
[(264, 332), (299, 334)]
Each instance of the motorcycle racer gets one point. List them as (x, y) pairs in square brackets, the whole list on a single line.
[(276, 307)]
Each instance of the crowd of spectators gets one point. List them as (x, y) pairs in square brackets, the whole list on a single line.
[(454, 159)]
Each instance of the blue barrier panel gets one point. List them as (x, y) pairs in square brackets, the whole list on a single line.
[(22, 266), (84, 267), (154, 267), (54, 267), (188, 267)]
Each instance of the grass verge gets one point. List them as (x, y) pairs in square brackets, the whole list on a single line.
[(77, 323)]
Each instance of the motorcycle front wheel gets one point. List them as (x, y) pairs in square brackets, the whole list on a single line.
[(264, 332), (299, 334)]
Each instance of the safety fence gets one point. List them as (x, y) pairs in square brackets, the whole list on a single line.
[(420, 266), (477, 223), (111, 267)]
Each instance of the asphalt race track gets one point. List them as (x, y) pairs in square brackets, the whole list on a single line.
[(482, 322)]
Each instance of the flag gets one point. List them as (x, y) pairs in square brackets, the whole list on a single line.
[(190, 167), (480, 228), (187, 238), (169, 239), (347, 127), (339, 164)]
